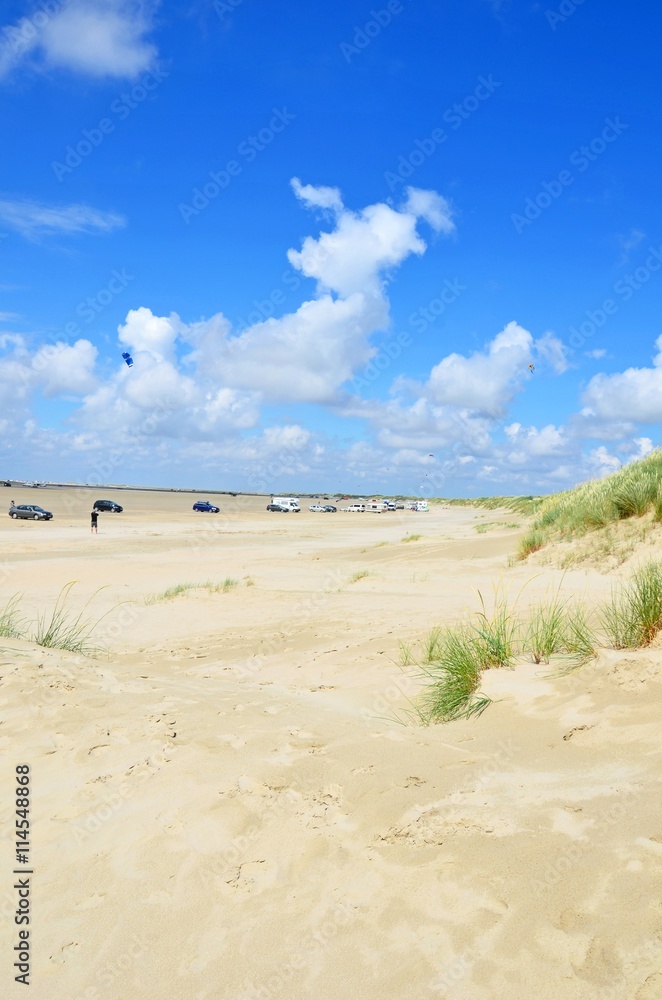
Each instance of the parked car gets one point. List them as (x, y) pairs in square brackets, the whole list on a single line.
[(399, 505), (279, 507), (206, 507), (329, 508), (7, 483), (354, 508), (108, 507), (30, 511), (316, 507)]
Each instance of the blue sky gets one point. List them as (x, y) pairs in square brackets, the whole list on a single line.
[(333, 238)]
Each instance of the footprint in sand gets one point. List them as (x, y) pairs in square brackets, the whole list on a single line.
[(252, 877)]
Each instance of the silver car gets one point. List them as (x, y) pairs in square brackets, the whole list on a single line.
[(30, 511)]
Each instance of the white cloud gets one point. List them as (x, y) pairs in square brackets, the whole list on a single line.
[(632, 395), (430, 206), (34, 221), (365, 244), (598, 353), (529, 442), (486, 380), (97, 38), (553, 351), (318, 197), (143, 331), (64, 369)]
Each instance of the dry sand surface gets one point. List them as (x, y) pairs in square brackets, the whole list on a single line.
[(226, 807)]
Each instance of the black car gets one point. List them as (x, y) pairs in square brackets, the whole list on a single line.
[(328, 508), (108, 506), (281, 508), (30, 511)]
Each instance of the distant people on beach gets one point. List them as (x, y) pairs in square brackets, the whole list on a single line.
[(93, 525)]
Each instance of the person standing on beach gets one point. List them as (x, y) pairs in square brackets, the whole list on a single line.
[(95, 517)]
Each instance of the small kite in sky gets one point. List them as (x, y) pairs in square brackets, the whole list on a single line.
[(531, 368), (128, 359)]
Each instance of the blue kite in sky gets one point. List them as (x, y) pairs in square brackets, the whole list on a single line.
[(128, 359)]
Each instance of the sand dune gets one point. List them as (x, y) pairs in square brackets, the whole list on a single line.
[(226, 807)]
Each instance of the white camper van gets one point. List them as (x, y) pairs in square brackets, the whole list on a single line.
[(292, 503)]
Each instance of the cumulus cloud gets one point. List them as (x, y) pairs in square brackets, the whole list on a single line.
[(485, 381), (97, 38), (432, 207), (354, 256), (318, 197), (197, 391), (34, 221), (156, 335), (551, 350), (64, 370), (632, 395)]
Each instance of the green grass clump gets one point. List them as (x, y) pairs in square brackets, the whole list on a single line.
[(531, 543), (657, 506), (64, 629), (11, 626), (498, 635), (633, 616), (580, 640), (359, 575), (411, 538), (547, 630), (454, 677), (182, 588)]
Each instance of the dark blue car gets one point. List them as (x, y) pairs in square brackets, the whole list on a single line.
[(206, 507)]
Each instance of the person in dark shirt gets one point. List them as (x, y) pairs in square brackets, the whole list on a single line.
[(95, 517)]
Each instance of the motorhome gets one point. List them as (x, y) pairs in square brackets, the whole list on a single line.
[(376, 506), (292, 503)]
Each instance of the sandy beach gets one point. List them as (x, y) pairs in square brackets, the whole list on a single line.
[(229, 801)]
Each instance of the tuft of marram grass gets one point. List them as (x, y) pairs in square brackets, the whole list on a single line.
[(547, 629), (359, 575), (497, 635), (64, 629), (633, 616), (411, 538), (177, 589), (454, 677), (11, 625)]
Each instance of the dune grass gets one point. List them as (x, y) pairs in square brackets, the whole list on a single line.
[(453, 677), (498, 634), (633, 616), (492, 525), (525, 505), (62, 628), (11, 625), (177, 589), (359, 575), (411, 538), (452, 658), (631, 492)]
